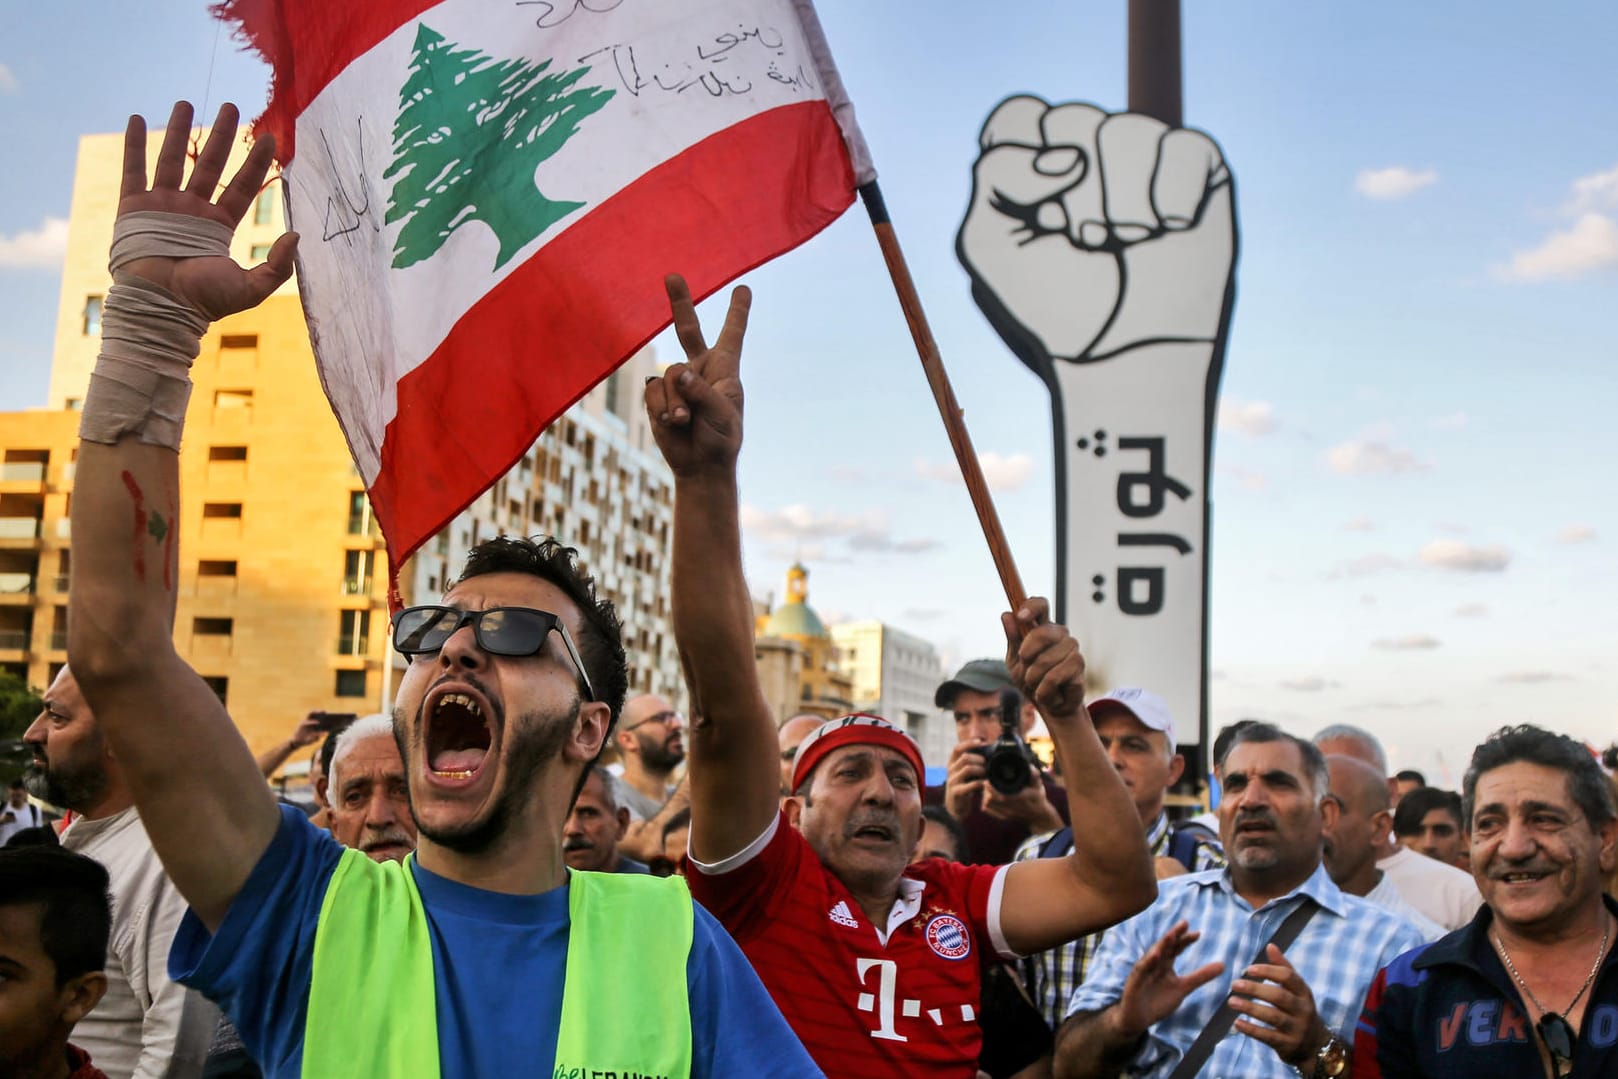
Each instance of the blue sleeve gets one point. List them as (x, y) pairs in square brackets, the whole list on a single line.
[(736, 1029), (257, 967)]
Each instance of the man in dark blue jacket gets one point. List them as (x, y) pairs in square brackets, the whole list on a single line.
[(1530, 987)]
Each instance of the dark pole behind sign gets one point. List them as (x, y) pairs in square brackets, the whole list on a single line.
[(1154, 60)]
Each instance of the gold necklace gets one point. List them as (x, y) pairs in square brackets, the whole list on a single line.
[(1553, 1028)]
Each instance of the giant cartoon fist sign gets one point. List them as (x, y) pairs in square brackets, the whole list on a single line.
[(1102, 249)]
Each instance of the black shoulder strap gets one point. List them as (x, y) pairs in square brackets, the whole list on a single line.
[(1196, 1056), (1058, 845)]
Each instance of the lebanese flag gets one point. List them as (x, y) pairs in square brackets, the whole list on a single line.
[(490, 194)]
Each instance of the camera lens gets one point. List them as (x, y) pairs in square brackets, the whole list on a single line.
[(1007, 769)]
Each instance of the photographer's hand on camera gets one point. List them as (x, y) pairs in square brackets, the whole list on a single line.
[(1029, 805), (965, 780)]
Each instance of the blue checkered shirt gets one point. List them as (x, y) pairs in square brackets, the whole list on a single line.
[(1338, 954), (1051, 976)]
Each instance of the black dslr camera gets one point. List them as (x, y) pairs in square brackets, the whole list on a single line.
[(1006, 761)]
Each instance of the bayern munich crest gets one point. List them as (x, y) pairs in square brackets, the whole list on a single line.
[(948, 938)]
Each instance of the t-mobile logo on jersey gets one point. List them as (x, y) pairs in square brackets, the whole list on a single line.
[(882, 1002)]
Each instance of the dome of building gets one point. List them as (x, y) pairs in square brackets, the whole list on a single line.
[(795, 618)]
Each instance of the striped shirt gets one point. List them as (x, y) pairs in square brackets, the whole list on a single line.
[(1338, 953), (1052, 975)]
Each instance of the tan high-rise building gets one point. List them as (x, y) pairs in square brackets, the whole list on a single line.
[(282, 579)]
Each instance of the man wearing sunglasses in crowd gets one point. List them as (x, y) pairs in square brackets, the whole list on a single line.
[(478, 956), (1530, 987)]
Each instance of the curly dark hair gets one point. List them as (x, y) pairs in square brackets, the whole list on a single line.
[(601, 644), (1587, 786)]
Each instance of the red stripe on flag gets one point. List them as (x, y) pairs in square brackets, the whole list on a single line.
[(587, 300), (306, 43)]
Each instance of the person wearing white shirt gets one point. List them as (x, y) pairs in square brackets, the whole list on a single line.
[(19, 813), (146, 1026)]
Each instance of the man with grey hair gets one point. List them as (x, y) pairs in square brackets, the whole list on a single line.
[(594, 827), (370, 801), (1292, 1002), (1364, 810), (1530, 986), (1441, 892)]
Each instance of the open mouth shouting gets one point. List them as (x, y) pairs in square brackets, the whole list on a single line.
[(459, 736), (873, 831)]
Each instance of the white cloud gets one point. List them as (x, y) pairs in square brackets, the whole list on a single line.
[(1471, 610), (1455, 421), (1249, 417), (1311, 683), (1001, 472), (1590, 244), (1533, 678), (1597, 191), (8, 81), (1576, 534), (1464, 557), (41, 248), (801, 526), (1371, 457), (1396, 182), (1410, 642), (1359, 524)]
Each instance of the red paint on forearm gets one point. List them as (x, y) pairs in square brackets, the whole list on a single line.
[(139, 540)]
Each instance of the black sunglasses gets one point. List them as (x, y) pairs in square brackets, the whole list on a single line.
[(1557, 1034), (500, 631)]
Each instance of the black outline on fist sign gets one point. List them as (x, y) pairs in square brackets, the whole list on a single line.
[(1092, 233)]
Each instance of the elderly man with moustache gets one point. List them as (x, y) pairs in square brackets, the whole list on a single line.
[(1269, 945), (1530, 987)]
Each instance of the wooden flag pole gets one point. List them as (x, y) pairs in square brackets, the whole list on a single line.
[(943, 395), (1154, 60)]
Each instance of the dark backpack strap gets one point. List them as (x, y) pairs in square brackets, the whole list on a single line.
[(1058, 845), (1184, 839), (1196, 1056)]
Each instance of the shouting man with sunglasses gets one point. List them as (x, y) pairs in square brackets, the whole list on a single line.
[(875, 962), (478, 956)]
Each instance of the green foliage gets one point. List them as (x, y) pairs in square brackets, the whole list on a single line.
[(470, 134), (18, 707)]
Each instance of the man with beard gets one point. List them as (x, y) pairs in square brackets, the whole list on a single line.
[(876, 963), (370, 800), (594, 827), (1293, 1005), (497, 962), (145, 1025), (651, 739)]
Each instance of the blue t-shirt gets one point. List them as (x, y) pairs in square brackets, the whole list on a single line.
[(499, 963)]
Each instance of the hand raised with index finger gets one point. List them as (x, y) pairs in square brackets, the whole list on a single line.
[(213, 284), (696, 407)]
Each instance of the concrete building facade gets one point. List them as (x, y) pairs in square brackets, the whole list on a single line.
[(894, 675)]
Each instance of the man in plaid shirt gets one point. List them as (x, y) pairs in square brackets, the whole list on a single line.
[(1135, 727), (1295, 1011)]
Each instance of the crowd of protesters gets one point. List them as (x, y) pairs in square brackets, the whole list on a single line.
[(477, 890)]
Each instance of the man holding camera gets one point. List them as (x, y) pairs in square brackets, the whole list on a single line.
[(991, 720)]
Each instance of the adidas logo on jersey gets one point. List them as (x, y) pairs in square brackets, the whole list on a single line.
[(841, 915)]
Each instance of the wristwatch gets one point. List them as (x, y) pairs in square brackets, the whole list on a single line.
[(1332, 1060)]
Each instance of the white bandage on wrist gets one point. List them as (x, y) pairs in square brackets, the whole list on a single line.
[(149, 336)]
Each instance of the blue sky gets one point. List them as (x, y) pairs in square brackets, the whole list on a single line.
[(1412, 516)]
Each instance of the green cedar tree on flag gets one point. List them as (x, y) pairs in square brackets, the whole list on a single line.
[(489, 196)]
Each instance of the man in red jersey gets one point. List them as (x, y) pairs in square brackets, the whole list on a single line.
[(875, 964)]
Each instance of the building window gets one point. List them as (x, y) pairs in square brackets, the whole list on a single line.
[(211, 510), (216, 567), (211, 627), (360, 521), (259, 252), (357, 573), (350, 684), (354, 633), (264, 207), (233, 398), (227, 453), (220, 686), (92, 316), (239, 341)]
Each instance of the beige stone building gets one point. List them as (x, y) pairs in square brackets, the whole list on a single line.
[(797, 659), (283, 577)]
